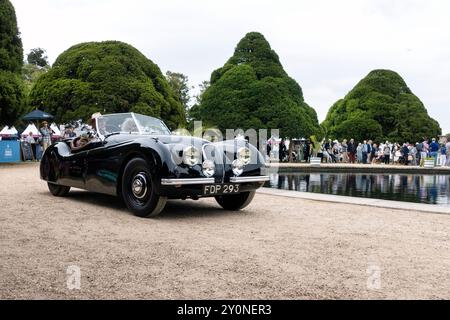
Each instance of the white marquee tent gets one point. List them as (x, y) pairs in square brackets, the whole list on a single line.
[(9, 131), (57, 132), (31, 128)]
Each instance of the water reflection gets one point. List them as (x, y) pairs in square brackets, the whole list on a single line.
[(433, 189)]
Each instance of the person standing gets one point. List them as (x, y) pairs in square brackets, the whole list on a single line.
[(344, 150), (328, 146), (405, 153), (447, 146), (426, 147), (419, 148), (32, 142), (329, 151), (46, 135), (369, 151), (413, 152), (365, 151), (373, 153), (359, 153), (387, 153), (309, 146), (424, 152), (351, 150), (300, 155), (269, 149), (281, 150), (443, 156), (434, 150), (335, 149)]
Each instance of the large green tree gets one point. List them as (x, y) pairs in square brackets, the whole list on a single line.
[(180, 86), (38, 57), (201, 90), (252, 90), (109, 77), (31, 74), (36, 65), (380, 107), (11, 60)]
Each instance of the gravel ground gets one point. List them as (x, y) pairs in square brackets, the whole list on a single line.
[(277, 248)]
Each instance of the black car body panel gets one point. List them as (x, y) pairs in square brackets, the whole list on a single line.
[(99, 166)]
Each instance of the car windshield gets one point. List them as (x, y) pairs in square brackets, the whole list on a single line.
[(130, 123)]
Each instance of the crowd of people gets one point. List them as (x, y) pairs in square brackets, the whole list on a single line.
[(345, 151), (79, 133), (39, 144), (45, 138), (368, 152)]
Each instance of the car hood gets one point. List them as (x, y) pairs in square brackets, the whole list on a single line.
[(179, 142)]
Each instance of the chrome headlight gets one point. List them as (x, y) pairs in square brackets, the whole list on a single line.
[(238, 167), (191, 156), (244, 155), (208, 168)]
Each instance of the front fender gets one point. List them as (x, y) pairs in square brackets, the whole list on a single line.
[(49, 164)]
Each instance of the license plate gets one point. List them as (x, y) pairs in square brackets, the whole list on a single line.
[(220, 189)]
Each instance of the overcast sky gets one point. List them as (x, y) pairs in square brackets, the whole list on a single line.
[(327, 46)]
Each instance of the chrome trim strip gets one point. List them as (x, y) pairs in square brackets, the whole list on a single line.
[(250, 179), (174, 182), (204, 152)]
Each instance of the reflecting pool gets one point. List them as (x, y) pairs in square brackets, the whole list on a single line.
[(431, 189)]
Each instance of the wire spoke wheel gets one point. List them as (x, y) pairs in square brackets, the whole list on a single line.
[(138, 190)]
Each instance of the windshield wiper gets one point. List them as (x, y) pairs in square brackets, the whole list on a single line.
[(111, 134)]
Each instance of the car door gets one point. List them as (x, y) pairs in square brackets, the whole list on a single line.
[(103, 163), (76, 170)]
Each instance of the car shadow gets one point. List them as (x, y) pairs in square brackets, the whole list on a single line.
[(103, 200), (179, 209), (175, 209)]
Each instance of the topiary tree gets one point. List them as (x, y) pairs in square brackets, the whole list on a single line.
[(359, 126), (11, 61), (380, 106), (252, 90), (109, 77)]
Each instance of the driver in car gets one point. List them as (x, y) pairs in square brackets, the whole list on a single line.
[(86, 137)]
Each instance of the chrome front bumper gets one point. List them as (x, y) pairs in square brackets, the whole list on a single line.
[(177, 182), (250, 179)]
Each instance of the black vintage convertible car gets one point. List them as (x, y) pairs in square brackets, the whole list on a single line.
[(137, 158)]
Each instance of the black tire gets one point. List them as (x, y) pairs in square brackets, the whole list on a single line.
[(58, 190), (138, 189), (235, 202)]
